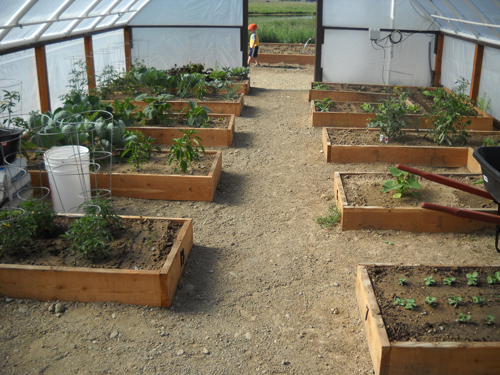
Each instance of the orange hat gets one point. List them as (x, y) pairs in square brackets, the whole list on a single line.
[(252, 26)]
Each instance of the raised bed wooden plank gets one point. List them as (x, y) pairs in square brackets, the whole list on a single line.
[(436, 156), (358, 120), (223, 107), (152, 288), (416, 358), (274, 58), (150, 186), (211, 137), (411, 219)]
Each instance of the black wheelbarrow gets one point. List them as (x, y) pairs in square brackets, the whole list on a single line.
[(489, 159)]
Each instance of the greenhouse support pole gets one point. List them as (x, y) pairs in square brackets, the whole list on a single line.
[(476, 72), (43, 81), (89, 58), (439, 61), (244, 35), (127, 35), (320, 38)]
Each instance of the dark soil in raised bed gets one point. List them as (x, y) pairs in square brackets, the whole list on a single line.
[(357, 137), (355, 107), (364, 190), (141, 244), (436, 323)]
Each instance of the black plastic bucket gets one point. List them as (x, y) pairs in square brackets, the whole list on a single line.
[(9, 144), (489, 159)]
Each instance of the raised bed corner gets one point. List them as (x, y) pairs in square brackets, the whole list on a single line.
[(136, 287)]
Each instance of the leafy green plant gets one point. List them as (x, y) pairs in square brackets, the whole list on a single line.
[(402, 281), (150, 240), (453, 301), (430, 300), (218, 75), (185, 150), (78, 81), (403, 183), (391, 116), (190, 85), (232, 92), (239, 72), (478, 300), (90, 236), (38, 218), (494, 278), (157, 109), (323, 105), (196, 116), (9, 101), (331, 219), (464, 318), (489, 320), (138, 149), (399, 301), (216, 86), (483, 103), (410, 304), (320, 86), (472, 278), (450, 114), (489, 142), (449, 280), (429, 281), (13, 232)]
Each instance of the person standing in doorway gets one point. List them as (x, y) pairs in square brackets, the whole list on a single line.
[(254, 44)]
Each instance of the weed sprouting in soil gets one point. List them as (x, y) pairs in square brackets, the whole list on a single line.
[(402, 281), (331, 219), (430, 300), (454, 301), (464, 318), (449, 281), (472, 278), (429, 281), (478, 300)]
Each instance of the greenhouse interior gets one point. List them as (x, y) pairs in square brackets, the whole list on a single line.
[(250, 186)]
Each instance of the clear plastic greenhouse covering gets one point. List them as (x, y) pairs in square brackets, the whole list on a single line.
[(206, 32), (24, 22)]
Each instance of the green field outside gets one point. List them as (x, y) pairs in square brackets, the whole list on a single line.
[(284, 30), (261, 7)]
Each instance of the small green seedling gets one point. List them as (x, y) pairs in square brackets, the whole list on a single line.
[(464, 318), (430, 300), (410, 304), (389, 242), (454, 301), (429, 281), (404, 182), (472, 278), (331, 219), (494, 278), (449, 280), (489, 320), (478, 300), (399, 301), (402, 281)]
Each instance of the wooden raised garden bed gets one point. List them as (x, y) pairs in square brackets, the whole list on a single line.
[(176, 187), (244, 83), (349, 92), (411, 219), (358, 120), (212, 137), (436, 156), (233, 107), (137, 287), (419, 357), (277, 58)]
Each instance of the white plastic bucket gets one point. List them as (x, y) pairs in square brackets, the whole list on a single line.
[(69, 178)]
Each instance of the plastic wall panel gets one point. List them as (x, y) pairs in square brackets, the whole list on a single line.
[(490, 80), (60, 60), (21, 66), (458, 60), (170, 46), (109, 49), (348, 57), (357, 13), (191, 12)]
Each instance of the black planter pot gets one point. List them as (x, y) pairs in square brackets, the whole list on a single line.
[(9, 144)]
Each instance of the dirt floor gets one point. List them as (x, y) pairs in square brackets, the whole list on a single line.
[(265, 289)]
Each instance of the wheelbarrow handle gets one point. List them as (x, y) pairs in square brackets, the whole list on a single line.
[(461, 212), (446, 181)]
